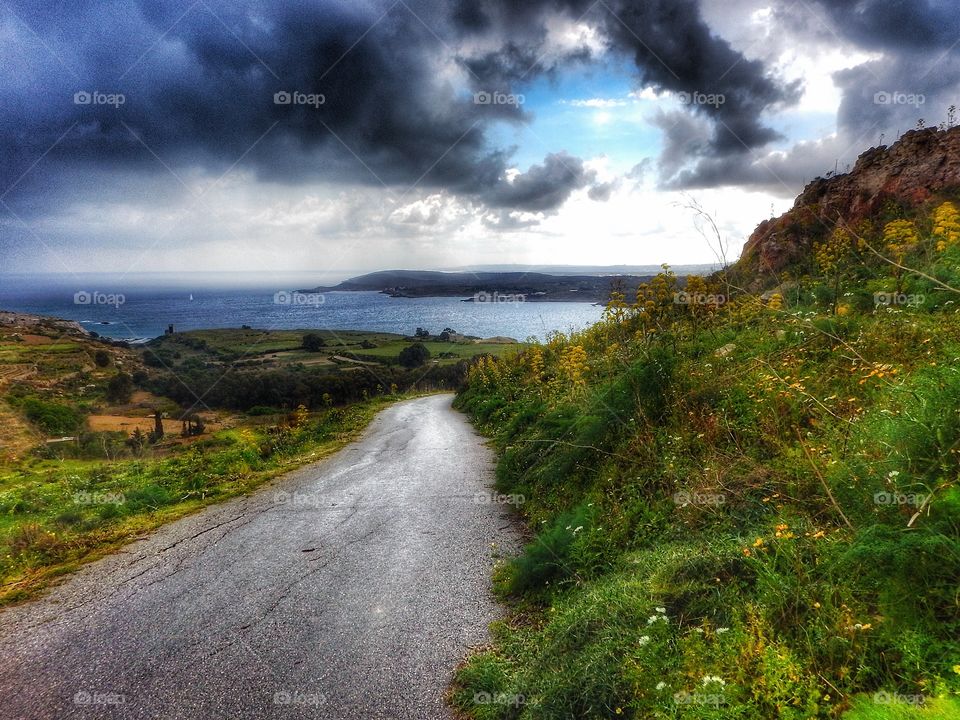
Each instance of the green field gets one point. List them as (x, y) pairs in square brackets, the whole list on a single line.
[(284, 347)]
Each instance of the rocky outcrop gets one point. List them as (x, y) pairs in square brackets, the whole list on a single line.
[(909, 172)]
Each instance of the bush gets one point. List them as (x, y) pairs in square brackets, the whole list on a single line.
[(547, 560), (120, 388), (52, 418), (414, 356), (261, 410), (312, 342), (101, 358)]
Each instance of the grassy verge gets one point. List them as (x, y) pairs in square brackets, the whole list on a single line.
[(57, 515), (749, 511)]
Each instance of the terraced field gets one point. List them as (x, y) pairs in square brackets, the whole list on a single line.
[(341, 348)]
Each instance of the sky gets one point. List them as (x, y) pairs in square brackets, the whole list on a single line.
[(341, 137)]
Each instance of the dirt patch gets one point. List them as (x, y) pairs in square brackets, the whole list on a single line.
[(128, 423), (36, 340), (17, 437)]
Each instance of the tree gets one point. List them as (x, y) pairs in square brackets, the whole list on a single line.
[(157, 434), (312, 342), (414, 356), (101, 358), (422, 333), (120, 388)]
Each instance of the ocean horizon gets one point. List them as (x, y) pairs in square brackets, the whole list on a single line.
[(139, 307)]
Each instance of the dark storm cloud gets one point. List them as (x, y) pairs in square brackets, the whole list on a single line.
[(912, 25), (199, 82), (673, 50), (916, 77), (542, 187), (205, 93)]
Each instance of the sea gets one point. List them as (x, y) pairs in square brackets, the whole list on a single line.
[(138, 307)]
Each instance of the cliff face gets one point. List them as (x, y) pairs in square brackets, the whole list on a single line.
[(918, 165)]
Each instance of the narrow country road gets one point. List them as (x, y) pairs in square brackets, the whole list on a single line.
[(346, 589)]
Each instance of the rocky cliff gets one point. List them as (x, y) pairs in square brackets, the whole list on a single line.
[(909, 172)]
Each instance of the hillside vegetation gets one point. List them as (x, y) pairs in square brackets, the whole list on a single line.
[(742, 506)]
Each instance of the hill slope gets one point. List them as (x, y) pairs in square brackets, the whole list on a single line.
[(905, 175)]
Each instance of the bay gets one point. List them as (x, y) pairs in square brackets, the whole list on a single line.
[(139, 307)]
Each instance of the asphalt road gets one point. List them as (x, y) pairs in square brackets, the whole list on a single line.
[(350, 588)]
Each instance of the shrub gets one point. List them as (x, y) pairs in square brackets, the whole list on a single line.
[(547, 560), (120, 388), (52, 418), (312, 342), (414, 356)]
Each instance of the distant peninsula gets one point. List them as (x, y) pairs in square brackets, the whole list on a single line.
[(490, 286)]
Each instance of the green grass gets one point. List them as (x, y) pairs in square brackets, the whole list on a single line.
[(781, 482), (461, 351)]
